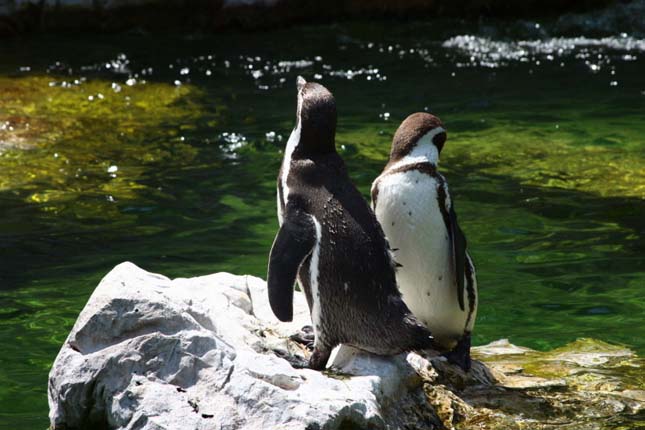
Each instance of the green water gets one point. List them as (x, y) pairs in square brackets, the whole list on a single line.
[(545, 159)]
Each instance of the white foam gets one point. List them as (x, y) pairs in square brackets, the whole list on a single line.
[(492, 53)]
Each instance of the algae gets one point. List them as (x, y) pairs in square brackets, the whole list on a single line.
[(558, 160), (587, 384), (65, 140)]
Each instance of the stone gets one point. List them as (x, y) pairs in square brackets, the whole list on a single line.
[(148, 352)]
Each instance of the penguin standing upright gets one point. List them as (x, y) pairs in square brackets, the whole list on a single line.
[(413, 205), (330, 240)]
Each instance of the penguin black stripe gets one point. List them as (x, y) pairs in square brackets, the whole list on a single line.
[(426, 168), (457, 239), (423, 167), (442, 196)]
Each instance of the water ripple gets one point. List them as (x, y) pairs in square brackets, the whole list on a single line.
[(486, 52)]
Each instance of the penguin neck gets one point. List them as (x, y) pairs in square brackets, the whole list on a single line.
[(308, 140), (424, 152), (292, 144), (294, 138)]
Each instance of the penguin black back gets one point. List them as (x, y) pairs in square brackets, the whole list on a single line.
[(331, 241)]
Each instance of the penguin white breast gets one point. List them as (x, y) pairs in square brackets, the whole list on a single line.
[(314, 274), (277, 198), (408, 210)]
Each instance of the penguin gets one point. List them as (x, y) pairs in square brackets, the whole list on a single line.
[(413, 205), (330, 242)]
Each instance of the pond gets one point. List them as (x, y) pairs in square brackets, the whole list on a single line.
[(164, 150)]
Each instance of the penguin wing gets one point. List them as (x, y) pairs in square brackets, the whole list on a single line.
[(374, 193), (458, 245), (293, 243)]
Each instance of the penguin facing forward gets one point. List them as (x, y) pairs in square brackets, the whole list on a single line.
[(412, 202), (330, 241)]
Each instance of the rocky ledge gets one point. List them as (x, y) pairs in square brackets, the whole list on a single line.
[(154, 353)]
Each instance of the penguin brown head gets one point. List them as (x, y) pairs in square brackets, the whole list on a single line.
[(421, 137), (316, 119)]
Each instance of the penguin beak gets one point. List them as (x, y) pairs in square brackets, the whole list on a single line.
[(300, 82)]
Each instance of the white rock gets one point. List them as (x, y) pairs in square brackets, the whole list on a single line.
[(154, 353), (501, 347)]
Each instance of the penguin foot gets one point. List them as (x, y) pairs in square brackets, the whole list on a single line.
[(295, 361), (460, 355), (318, 360), (305, 337)]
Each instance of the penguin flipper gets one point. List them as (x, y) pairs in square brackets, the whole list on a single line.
[(458, 254), (291, 246), (374, 193)]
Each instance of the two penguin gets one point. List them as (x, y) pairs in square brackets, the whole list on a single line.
[(334, 245)]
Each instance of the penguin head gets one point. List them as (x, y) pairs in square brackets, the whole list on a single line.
[(316, 118), (421, 135)]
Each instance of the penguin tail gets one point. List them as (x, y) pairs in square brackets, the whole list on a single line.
[(421, 337)]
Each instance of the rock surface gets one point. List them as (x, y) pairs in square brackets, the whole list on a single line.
[(154, 353)]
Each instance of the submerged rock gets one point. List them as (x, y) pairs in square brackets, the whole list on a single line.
[(150, 352)]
